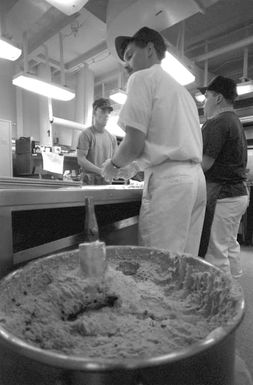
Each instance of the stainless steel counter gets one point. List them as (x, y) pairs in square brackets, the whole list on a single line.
[(34, 183), (38, 222)]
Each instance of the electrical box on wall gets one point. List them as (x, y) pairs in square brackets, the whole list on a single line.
[(24, 145)]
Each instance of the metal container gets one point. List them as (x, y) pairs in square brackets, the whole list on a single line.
[(207, 362)]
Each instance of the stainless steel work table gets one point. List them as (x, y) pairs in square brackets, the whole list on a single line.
[(38, 222)]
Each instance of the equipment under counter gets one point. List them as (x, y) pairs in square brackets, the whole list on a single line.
[(38, 222)]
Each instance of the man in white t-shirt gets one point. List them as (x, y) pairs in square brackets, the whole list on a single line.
[(96, 144), (163, 138)]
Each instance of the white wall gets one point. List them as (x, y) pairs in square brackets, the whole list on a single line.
[(31, 115), (65, 110), (7, 94)]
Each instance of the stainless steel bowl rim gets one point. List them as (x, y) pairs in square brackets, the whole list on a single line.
[(98, 364)]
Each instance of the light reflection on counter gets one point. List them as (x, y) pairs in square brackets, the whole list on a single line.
[(113, 187)]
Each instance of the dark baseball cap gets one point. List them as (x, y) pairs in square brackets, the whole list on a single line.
[(144, 35), (222, 85), (102, 103)]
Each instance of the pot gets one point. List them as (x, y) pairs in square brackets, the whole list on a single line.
[(207, 362)]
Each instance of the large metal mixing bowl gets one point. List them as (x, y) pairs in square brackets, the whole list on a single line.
[(207, 362)]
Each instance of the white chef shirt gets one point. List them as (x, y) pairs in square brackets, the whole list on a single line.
[(166, 113)]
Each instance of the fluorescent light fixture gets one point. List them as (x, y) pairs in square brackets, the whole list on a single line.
[(68, 123), (177, 70), (68, 6), (9, 51), (119, 96), (244, 87), (41, 87)]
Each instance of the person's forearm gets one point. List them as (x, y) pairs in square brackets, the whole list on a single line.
[(207, 162), (123, 156), (88, 166), (129, 150)]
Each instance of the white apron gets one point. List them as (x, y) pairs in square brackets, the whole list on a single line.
[(173, 207)]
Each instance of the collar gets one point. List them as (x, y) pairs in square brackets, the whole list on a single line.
[(99, 130), (223, 109)]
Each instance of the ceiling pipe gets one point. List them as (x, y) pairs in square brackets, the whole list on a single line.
[(113, 75), (36, 60), (206, 67), (219, 51), (87, 57), (25, 44), (245, 63), (61, 60), (47, 58), (58, 66), (49, 100), (206, 73), (181, 40)]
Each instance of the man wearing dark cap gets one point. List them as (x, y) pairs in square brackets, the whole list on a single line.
[(163, 138), (96, 144), (224, 164)]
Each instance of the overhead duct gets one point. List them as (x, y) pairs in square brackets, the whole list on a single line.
[(125, 17)]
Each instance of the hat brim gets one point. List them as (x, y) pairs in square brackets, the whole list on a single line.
[(120, 42), (107, 108), (104, 108), (202, 90)]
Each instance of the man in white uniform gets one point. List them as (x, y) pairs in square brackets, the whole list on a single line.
[(163, 137)]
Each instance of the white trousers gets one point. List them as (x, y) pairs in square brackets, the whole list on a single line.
[(173, 207), (223, 249)]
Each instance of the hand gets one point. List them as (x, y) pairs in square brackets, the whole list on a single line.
[(108, 171), (128, 171)]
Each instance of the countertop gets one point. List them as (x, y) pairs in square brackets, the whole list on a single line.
[(67, 196), (44, 220)]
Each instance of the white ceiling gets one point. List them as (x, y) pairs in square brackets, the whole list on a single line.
[(192, 27)]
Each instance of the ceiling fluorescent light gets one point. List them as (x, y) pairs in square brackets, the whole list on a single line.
[(68, 123), (119, 96), (177, 70), (244, 87), (8, 50), (41, 87), (68, 6)]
